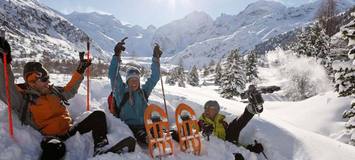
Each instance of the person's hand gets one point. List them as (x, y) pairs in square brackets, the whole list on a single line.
[(5, 48), (256, 148), (157, 52), (119, 48), (83, 64)]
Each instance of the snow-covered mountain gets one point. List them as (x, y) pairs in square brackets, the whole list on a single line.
[(35, 29), (175, 36), (257, 23), (107, 30)]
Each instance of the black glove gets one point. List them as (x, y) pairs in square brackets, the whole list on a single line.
[(5, 47), (83, 64), (120, 47), (207, 130), (256, 148), (157, 52)]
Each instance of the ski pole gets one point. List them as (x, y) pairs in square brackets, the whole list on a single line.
[(11, 129), (261, 151), (264, 154), (117, 70), (88, 77), (162, 87)]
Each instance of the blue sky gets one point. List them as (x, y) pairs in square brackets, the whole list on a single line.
[(156, 12)]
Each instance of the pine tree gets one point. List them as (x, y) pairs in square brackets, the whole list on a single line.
[(193, 78), (233, 77), (313, 42), (251, 69), (180, 75), (218, 75), (345, 79), (206, 71), (171, 78)]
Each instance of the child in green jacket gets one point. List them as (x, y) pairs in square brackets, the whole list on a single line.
[(211, 121)]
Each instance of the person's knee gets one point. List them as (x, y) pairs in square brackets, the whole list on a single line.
[(99, 114), (52, 148)]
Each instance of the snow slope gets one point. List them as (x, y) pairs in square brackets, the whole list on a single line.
[(288, 130)]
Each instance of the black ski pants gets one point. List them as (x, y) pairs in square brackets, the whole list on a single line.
[(234, 128), (95, 122)]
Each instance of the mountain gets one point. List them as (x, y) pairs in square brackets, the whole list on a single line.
[(257, 23), (107, 30), (175, 36), (34, 30)]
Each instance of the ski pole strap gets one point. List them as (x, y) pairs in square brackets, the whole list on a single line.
[(11, 130)]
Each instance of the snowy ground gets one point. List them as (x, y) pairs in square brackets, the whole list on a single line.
[(288, 130)]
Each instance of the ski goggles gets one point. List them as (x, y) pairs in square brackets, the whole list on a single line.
[(34, 76)]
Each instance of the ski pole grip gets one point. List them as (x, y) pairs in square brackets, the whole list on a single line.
[(81, 55)]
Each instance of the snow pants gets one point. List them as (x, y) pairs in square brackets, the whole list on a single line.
[(54, 148), (234, 128)]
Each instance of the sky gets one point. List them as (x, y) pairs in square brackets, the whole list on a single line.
[(155, 12)]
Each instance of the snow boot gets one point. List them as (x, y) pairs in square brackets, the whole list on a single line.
[(53, 149)]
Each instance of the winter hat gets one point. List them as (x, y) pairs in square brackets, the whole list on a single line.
[(132, 72), (33, 71), (212, 104)]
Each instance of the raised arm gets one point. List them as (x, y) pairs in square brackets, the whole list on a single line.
[(71, 88), (15, 94), (155, 68), (117, 84)]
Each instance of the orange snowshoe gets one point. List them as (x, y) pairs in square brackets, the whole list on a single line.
[(157, 127), (188, 129)]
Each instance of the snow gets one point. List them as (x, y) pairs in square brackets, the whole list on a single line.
[(288, 130), (307, 129)]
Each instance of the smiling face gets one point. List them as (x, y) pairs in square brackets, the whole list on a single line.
[(41, 85), (133, 83), (211, 112)]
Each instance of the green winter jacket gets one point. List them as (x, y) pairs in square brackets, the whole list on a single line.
[(217, 124)]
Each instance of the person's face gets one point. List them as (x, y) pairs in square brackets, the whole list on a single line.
[(41, 85), (133, 84), (210, 113)]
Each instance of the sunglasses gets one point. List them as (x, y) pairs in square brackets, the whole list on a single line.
[(44, 79)]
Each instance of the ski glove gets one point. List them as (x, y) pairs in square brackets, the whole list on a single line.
[(5, 48), (157, 52), (119, 48), (205, 128), (256, 148), (83, 64)]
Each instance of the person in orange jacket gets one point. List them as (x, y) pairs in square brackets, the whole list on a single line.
[(43, 106)]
